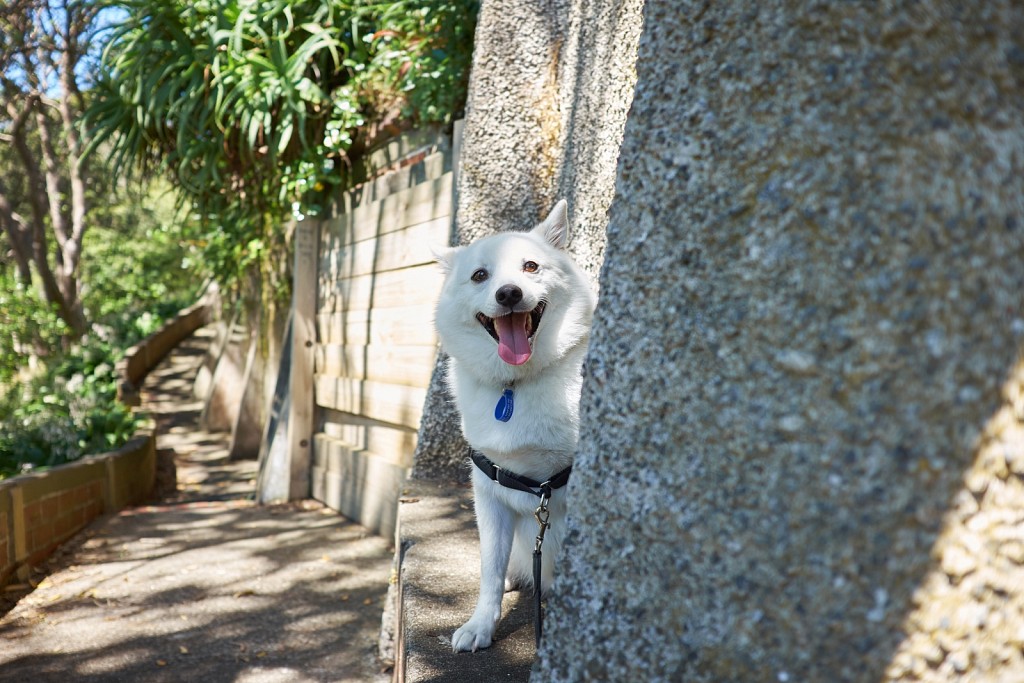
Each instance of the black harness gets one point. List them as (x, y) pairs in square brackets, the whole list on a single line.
[(541, 489), (511, 480)]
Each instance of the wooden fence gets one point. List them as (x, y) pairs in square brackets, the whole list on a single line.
[(371, 335)]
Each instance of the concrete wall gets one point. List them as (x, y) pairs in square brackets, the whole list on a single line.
[(802, 426), (550, 88)]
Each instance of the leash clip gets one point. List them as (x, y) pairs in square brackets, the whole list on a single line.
[(542, 514)]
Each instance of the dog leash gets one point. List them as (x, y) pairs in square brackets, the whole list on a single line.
[(543, 491)]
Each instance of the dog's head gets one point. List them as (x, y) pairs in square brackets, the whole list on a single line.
[(514, 297)]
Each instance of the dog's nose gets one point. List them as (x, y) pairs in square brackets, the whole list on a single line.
[(508, 295)]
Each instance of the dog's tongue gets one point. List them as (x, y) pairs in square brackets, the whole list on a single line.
[(513, 342)]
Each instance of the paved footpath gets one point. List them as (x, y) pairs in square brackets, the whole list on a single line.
[(204, 585)]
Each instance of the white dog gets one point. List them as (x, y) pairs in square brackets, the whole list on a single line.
[(514, 315)]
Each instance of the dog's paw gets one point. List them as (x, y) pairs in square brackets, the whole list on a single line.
[(472, 636)]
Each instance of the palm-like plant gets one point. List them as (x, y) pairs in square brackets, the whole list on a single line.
[(251, 104)]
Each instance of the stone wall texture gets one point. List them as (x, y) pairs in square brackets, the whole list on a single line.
[(549, 92), (802, 449)]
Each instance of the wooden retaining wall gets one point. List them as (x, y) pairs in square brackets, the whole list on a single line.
[(375, 345)]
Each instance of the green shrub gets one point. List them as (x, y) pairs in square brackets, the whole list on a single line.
[(253, 108), (58, 400), (68, 411)]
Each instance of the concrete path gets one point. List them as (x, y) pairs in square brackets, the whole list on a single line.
[(204, 585)]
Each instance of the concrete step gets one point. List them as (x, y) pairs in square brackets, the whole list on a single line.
[(438, 558)]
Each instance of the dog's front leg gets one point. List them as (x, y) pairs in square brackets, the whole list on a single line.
[(495, 523)]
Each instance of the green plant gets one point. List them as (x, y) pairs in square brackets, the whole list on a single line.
[(422, 49), (252, 108), (58, 400), (27, 326), (140, 267), (46, 48), (68, 411)]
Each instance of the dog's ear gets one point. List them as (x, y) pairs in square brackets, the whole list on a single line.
[(445, 257), (555, 228)]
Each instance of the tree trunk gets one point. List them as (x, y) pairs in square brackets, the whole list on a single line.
[(55, 286), (54, 173), (19, 234)]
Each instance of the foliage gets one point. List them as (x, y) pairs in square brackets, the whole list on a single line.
[(423, 49), (26, 324), (69, 411), (140, 269), (252, 108), (57, 407), (45, 51)]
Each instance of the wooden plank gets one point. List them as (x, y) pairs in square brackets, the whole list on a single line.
[(394, 443), (394, 150), (411, 365), (412, 246), (407, 149), (19, 532), (423, 203), (272, 480), (406, 326), (432, 167), (390, 444), (301, 405), (383, 290), (392, 403), (358, 484)]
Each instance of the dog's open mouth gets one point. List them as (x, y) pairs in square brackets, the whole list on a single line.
[(514, 333)]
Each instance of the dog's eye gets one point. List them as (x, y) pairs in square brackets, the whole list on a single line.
[(479, 276), (530, 267)]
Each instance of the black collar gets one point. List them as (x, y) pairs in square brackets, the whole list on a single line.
[(519, 482)]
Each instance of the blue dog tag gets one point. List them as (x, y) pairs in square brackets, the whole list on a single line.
[(503, 411)]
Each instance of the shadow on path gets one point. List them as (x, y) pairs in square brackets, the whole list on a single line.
[(204, 471), (204, 585)]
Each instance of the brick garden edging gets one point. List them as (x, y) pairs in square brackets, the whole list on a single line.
[(39, 511)]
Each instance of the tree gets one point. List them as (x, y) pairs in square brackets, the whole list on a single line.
[(43, 45)]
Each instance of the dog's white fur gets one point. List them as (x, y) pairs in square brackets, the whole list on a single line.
[(540, 439)]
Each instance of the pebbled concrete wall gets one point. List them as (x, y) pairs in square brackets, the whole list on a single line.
[(514, 126), (802, 445), (549, 91)]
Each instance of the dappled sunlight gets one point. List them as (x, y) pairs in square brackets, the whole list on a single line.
[(205, 583), (245, 584), (968, 613)]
